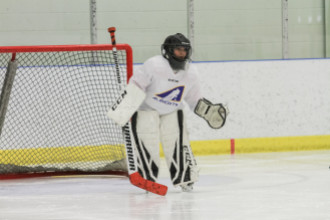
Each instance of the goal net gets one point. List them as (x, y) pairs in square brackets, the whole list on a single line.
[(53, 106)]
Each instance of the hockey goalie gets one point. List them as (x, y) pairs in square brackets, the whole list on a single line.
[(153, 101)]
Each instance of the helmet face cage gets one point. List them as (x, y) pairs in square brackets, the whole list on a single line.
[(168, 50), (172, 42)]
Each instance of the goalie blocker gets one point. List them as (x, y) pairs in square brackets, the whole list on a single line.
[(128, 102)]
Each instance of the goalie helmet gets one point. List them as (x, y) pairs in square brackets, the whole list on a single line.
[(172, 42)]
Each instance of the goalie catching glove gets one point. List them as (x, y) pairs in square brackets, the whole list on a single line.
[(214, 114)]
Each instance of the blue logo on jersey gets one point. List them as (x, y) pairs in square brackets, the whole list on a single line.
[(172, 95)]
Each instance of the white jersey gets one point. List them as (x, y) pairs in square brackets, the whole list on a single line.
[(166, 90)]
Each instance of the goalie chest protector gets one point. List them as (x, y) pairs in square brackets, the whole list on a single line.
[(166, 90)]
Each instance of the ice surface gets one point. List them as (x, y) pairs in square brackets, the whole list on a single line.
[(294, 185)]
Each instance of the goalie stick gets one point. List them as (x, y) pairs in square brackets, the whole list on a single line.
[(135, 178)]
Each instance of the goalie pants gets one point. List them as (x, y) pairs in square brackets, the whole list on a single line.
[(148, 129)]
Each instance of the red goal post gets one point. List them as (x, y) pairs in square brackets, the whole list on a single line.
[(53, 106), (82, 47)]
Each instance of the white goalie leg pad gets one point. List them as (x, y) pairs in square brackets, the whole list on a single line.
[(145, 131), (179, 157), (126, 104)]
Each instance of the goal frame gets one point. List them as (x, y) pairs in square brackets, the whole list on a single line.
[(13, 50), (79, 47)]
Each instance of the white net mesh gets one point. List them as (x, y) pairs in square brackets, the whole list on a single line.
[(56, 117)]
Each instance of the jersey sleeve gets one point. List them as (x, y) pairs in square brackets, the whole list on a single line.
[(195, 92), (142, 76)]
